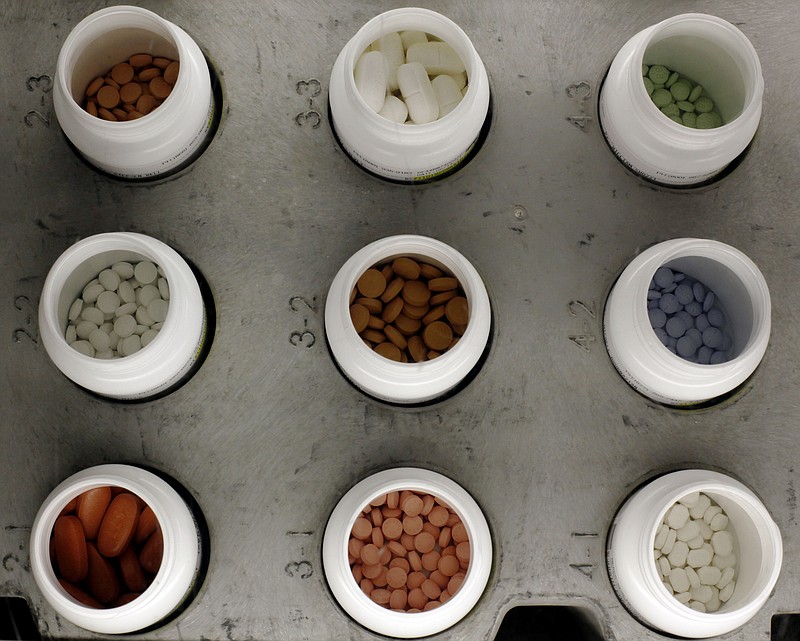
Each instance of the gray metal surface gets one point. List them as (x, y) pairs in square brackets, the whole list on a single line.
[(268, 435)]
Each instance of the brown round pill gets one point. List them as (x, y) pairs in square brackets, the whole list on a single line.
[(460, 533), (107, 97), (370, 554), (359, 315), (372, 304), (130, 92), (457, 310), (395, 337), (375, 322), (412, 525), (160, 88), (416, 312), (371, 572), (439, 299), (398, 600), (428, 271), (415, 293), (105, 114), (121, 114), (396, 577), (396, 548), (448, 565), (122, 73), (380, 596), (146, 75), (392, 528), (91, 107), (417, 349), (435, 314), (392, 309), (417, 598), (111, 82), (146, 104), (362, 529), (442, 284), (393, 289), (162, 63), (431, 589), (437, 335), (406, 325), (430, 560), (438, 516), (406, 267), (424, 542), (462, 550), (171, 72), (371, 283), (139, 60), (94, 86), (415, 579), (373, 336)]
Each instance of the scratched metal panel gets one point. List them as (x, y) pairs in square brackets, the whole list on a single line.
[(267, 436)]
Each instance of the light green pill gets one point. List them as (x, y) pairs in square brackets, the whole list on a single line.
[(681, 90), (645, 69), (709, 120), (676, 119), (673, 78), (648, 87), (698, 89), (661, 97), (685, 105), (671, 110), (659, 74), (703, 104)]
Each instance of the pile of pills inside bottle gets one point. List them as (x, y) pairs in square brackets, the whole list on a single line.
[(680, 99), (119, 312), (686, 318), (409, 551), (695, 553), (410, 77), (408, 311), (106, 547), (132, 88)]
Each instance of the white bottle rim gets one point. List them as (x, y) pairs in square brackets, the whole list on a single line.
[(154, 368), (163, 139), (646, 363), (654, 146), (179, 565), (408, 152), (633, 568), (349, 594), (406, 382)]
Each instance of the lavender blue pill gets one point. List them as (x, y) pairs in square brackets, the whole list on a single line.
[(704, 355), (693, 309), (663, 277), (715, 317), (661, 334), (701, 322), (669, 304), (717, 358), (657, 318), (685, 346), (684, 294), (712, 337), (653, 294), (708, 301), (699, 292), (676, 328)]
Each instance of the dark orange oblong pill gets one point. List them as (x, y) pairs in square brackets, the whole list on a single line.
[(101, 580), (119, 525), (80, 595), (92, 506), (131, 570), (153, 550), (70, 543), (147, 525)]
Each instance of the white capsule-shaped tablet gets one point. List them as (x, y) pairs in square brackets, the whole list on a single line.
[(690, 500), (113, 338), (106, 355), (412, 37), (75, 309), (727, 592), (711, 512), (394, 109), (661, 536), (719, 522), (689, 531), (677, 516), (697, 511), (447, 93), (417, 91), (145, 272), (391, 46), (664, 567), (698, 606), (679, 580), (722, 542), (683, 597), (437, 57), (678, 554), (694, 580), (713, 604), (371, 75), (671, 538), (700, 558), (702, 593), (84, 347), (108, 302), (126, 292), (725, 577), (124, 326), (124, 269), (709, 575), (696, 543), (71, 334), (140, 329), (705, 530), (146, 293), (157, 310), (460, 80)]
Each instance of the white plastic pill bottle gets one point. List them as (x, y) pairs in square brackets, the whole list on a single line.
[(640, 357), (404, 152), (710, 52), (161, 142), (635, 576), (407, 383), (183, 563), (160, 367), (406, 625)]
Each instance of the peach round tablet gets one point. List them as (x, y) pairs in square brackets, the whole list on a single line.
[(108, 97), (122, 73)]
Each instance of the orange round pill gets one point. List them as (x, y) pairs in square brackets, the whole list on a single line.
[(417, 598), (398, 600), (396, 548), (416, 293), (412, 525), (371, 283), (396, 577), (122, 73), (448, 565), (431, 589), (392, 528), (108, 97), (370, 554), (380, 596), (438, 335), (430, 560), (459, 533), (438, 516), (362, 528), (406, 267), (425, 542), (171, 72), (160, 88), (359, 315), (371, 572), (412, 505), (462, 551)]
